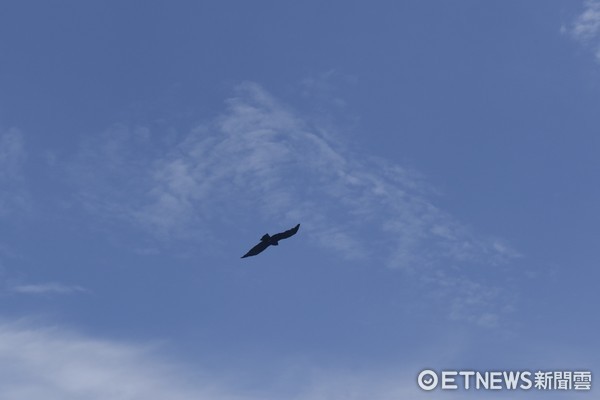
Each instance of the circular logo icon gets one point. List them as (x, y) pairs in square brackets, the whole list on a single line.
[(427, 379)]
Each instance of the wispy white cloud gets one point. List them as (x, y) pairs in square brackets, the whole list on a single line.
[(262, 161), (477, 301), (261, 156), (587, 24), (586, 27), (48, 288)]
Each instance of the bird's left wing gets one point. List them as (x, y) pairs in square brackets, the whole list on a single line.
[(286, 234)]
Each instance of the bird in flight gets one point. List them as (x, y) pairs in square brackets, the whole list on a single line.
[(267, 241)]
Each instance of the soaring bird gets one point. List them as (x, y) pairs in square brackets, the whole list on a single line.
[(267, 241)]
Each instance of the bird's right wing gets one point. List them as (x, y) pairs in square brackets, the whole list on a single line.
[(259, 248)]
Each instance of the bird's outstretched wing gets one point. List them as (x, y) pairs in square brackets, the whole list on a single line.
[(286, 234), (256, 249)]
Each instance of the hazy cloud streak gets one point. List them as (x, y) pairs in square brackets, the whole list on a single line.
[(48, 288)]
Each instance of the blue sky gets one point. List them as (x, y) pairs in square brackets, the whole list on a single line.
[(442, 158)]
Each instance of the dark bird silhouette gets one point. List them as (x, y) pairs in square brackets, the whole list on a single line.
[(267, 241)]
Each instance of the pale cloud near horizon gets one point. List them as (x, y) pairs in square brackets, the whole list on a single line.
[(55, 363), (260, 162)]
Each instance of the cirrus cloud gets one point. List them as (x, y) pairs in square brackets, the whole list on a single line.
[(260, 161)]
